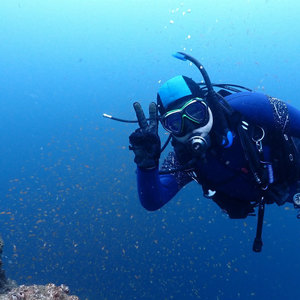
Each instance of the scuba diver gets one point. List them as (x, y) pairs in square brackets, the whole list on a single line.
[(241, 146)]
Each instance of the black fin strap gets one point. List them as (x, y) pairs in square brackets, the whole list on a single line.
[(257, 244)]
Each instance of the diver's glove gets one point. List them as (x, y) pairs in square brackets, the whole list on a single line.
[(145, 141)]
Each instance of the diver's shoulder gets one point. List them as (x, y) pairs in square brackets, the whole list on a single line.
[(242, 96), (253, 105)]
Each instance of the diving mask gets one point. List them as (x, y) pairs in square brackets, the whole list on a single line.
[(195, 110)]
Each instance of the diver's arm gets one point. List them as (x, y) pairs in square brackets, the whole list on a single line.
[(155, 190)]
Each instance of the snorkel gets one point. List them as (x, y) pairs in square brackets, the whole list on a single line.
[(224, 135)]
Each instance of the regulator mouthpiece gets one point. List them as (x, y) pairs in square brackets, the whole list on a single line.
[(199, 144)]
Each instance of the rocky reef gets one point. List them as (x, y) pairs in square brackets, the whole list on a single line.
[(39, 292), (9, 290)]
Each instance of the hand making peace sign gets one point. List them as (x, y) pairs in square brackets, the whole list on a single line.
[(145, 141)]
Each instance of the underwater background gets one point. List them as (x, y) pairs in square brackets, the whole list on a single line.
[(69, 211)]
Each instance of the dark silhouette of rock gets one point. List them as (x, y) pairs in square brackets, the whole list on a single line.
[(5, 283)]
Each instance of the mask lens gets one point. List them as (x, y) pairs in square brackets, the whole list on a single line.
[(198, 112), (173, 123)]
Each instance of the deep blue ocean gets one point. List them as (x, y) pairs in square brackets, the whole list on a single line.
[(69, 211)]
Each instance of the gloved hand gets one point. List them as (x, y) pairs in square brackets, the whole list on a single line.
[(145, 141)]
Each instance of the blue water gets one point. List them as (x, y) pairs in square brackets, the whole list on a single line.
[(69, 211)]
